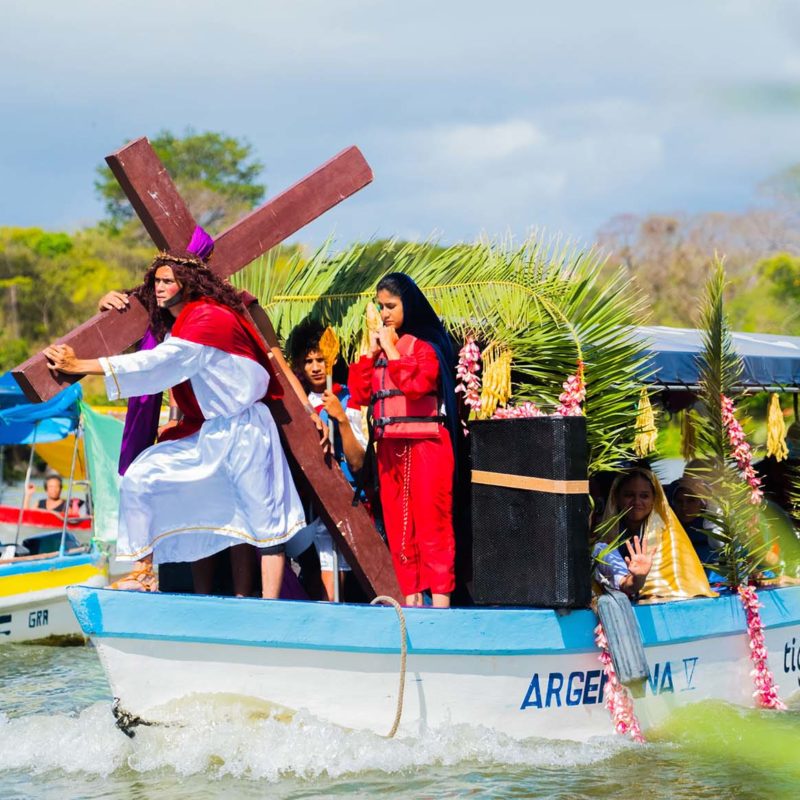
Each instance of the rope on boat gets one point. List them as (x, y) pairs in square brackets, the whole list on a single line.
[(385, 600)]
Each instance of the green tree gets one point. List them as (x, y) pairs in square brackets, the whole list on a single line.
[(12, 352), (217, 176), (783, 270), (50, 282), (671, 257)]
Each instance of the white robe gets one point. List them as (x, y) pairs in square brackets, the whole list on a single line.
[(226, 484)]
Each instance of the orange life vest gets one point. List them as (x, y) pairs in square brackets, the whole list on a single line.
[(395, 416)]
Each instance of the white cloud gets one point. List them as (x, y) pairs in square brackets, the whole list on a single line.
[(482, 143), (791, 67), (513, 174)]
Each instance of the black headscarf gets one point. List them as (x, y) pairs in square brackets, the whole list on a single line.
[(420, 320)]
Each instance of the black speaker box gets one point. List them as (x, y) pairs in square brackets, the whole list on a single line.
[(530, 512)]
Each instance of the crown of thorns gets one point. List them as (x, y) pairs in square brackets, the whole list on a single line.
[(168, 258)]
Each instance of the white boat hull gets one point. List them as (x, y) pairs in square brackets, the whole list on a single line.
[(476, 678)]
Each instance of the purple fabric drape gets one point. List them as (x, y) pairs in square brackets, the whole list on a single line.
[(201, 244), (141, 421), (291, 588)]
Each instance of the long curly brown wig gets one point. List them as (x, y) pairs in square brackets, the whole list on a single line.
[(196, 281)]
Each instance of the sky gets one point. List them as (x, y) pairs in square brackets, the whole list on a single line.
[(478, 118)]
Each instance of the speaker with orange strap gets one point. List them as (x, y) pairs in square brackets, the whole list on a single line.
[(530, 512)]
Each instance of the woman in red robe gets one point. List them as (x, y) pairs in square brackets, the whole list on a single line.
[(407, 379)]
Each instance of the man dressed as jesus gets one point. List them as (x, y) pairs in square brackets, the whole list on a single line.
[(219, 478)]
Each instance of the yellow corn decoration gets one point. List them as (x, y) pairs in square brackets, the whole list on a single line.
[(329, 347), (688, 435), (646, 433), (776, 430), (373, 320), (496, 387)]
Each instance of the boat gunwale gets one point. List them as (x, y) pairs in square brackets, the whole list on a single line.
[(310, 625), (49, 561)]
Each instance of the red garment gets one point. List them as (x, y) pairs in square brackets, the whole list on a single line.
[(416, 479), (212, 324)]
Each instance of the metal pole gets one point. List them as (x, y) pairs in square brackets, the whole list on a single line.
[(331, 434), (336, 598), (27, 481), (69, 490)]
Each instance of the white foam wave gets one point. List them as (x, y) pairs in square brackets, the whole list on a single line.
[(248, 746)]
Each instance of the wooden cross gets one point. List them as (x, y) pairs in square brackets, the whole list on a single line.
[(170, 224)]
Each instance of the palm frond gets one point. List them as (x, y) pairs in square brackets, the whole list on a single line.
[(549, 302), (728, 497)]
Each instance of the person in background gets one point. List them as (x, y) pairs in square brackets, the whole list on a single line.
[(689, 506), (54, 502), (408, 379), (655, 558), (336, 408)]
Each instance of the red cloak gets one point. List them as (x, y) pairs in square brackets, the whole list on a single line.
[(212, 324)]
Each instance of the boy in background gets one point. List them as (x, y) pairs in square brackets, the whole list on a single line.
[(336, 409)]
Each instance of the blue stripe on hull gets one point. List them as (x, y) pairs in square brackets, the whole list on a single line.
[(45, 564), (462, 631)]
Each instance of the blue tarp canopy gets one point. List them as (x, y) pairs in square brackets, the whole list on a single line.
[(770, 362), (23, 422)]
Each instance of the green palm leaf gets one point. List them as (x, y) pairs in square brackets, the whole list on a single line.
[(735, 518), (551, 303)]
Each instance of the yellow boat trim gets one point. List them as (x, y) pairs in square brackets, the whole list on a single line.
[(49, 579)]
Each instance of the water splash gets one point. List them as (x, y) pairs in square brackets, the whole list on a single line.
[(243, 744)]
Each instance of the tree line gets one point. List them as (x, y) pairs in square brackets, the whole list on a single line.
[(670, 257)]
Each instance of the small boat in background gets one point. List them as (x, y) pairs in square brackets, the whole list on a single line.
[(42, 552), (33, 600), (40, 518)]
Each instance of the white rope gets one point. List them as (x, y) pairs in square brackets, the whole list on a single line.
[(385, 600)]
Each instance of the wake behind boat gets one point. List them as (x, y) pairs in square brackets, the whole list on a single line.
[(523, 672)]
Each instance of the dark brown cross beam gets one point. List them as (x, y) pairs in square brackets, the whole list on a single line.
[(170, 224)]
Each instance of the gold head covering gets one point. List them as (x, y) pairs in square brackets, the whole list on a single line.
[(677, 573)]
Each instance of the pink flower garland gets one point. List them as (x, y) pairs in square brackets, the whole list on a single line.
[(527, 409), (766, 692), (469, 384), (617, 700), (569, 401), (740, 450)]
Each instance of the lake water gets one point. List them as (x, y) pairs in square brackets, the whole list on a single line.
[(58, 740)]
